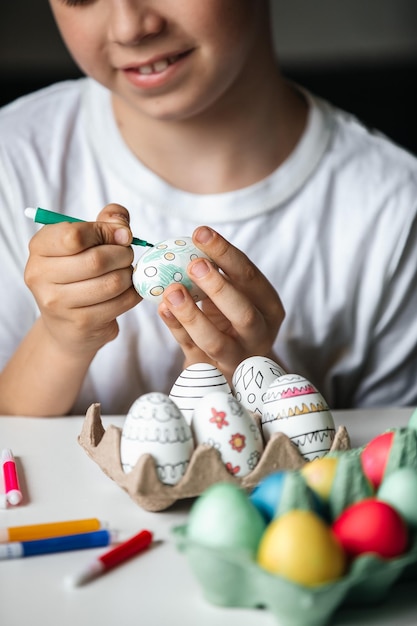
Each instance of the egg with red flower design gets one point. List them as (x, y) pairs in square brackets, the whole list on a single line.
[(222, 422)]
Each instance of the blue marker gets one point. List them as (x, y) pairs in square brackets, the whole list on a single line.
[(80, 541)]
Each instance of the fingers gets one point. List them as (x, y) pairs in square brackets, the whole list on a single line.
[(192, 353), (241, 316), (86, 293), (241, 272), (85, 265), (75, 278), (69, 238)]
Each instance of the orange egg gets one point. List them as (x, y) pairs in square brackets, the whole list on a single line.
[(301, 547)]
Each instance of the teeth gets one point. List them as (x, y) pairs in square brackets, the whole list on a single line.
[(160, 66), (145, 69), (157, 67)]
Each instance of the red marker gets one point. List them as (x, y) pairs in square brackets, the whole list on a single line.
[(114, 557), (11, 481)]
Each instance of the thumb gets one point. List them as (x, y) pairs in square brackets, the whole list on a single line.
[(117, 218)]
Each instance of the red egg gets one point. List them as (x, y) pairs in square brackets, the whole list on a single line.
[(374, 457), (371, 525)]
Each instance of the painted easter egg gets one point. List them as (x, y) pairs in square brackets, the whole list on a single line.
[(154, 425), (399, 489), (320, 474), (222, 422), (292, 405), (251, 380), (371, 525), (284, 490), (300, 546), (224, 517), (164, 264), (374, 457), (195, 382)]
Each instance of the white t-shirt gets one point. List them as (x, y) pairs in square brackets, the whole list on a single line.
[(334, 230)]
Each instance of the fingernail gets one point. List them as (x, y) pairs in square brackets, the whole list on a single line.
[(121, 236), (120, 216), (176, 297), (165, 312), (199, 269), (203, 234)]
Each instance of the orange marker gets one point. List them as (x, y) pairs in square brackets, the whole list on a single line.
[(53, 529)]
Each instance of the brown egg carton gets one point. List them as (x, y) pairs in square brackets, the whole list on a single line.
[(204, 469)]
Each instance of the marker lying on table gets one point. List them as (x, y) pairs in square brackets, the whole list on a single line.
[(52, 529), (80, 541), (42, 216), (11, 481), (113, 557)]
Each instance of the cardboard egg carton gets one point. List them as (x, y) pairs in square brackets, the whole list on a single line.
[(205, 468)]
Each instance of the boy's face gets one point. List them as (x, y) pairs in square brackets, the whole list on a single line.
[(168, 59)]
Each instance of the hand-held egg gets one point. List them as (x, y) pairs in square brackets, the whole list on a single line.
[(164, 264), (223, 423), (292, 405), (155, 425)]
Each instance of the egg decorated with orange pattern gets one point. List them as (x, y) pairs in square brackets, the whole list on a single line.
[(292, 405), (164, 264)]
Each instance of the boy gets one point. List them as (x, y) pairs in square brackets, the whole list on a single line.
[(185, 119)]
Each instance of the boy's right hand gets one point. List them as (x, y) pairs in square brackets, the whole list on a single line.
[(81, 277)]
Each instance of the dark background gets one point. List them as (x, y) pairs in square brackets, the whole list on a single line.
[(359, 54)]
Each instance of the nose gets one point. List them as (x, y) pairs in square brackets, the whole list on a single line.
[(131, 21)]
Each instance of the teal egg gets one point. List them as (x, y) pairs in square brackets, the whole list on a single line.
[(224, 517), (399, 490), (412, 423)]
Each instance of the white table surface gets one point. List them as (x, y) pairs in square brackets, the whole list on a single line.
[(59, 481)]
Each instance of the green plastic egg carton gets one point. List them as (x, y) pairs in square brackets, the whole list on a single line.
[(232, 579)]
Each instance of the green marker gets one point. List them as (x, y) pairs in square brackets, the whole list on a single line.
[(42, 216)]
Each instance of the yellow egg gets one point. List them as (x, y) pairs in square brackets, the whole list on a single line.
[(301, 547), (319, 475)]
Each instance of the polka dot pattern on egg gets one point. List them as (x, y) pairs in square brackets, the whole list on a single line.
[(164, 264)]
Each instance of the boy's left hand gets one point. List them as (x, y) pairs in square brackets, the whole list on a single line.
[(241, 316)]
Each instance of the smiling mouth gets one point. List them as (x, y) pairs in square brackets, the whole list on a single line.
[(160, 66)]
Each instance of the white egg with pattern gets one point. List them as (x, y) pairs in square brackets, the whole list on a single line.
[(166, 263), (292, 405), (195, 382), (251, 380), (221, 422), (154, 425)]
